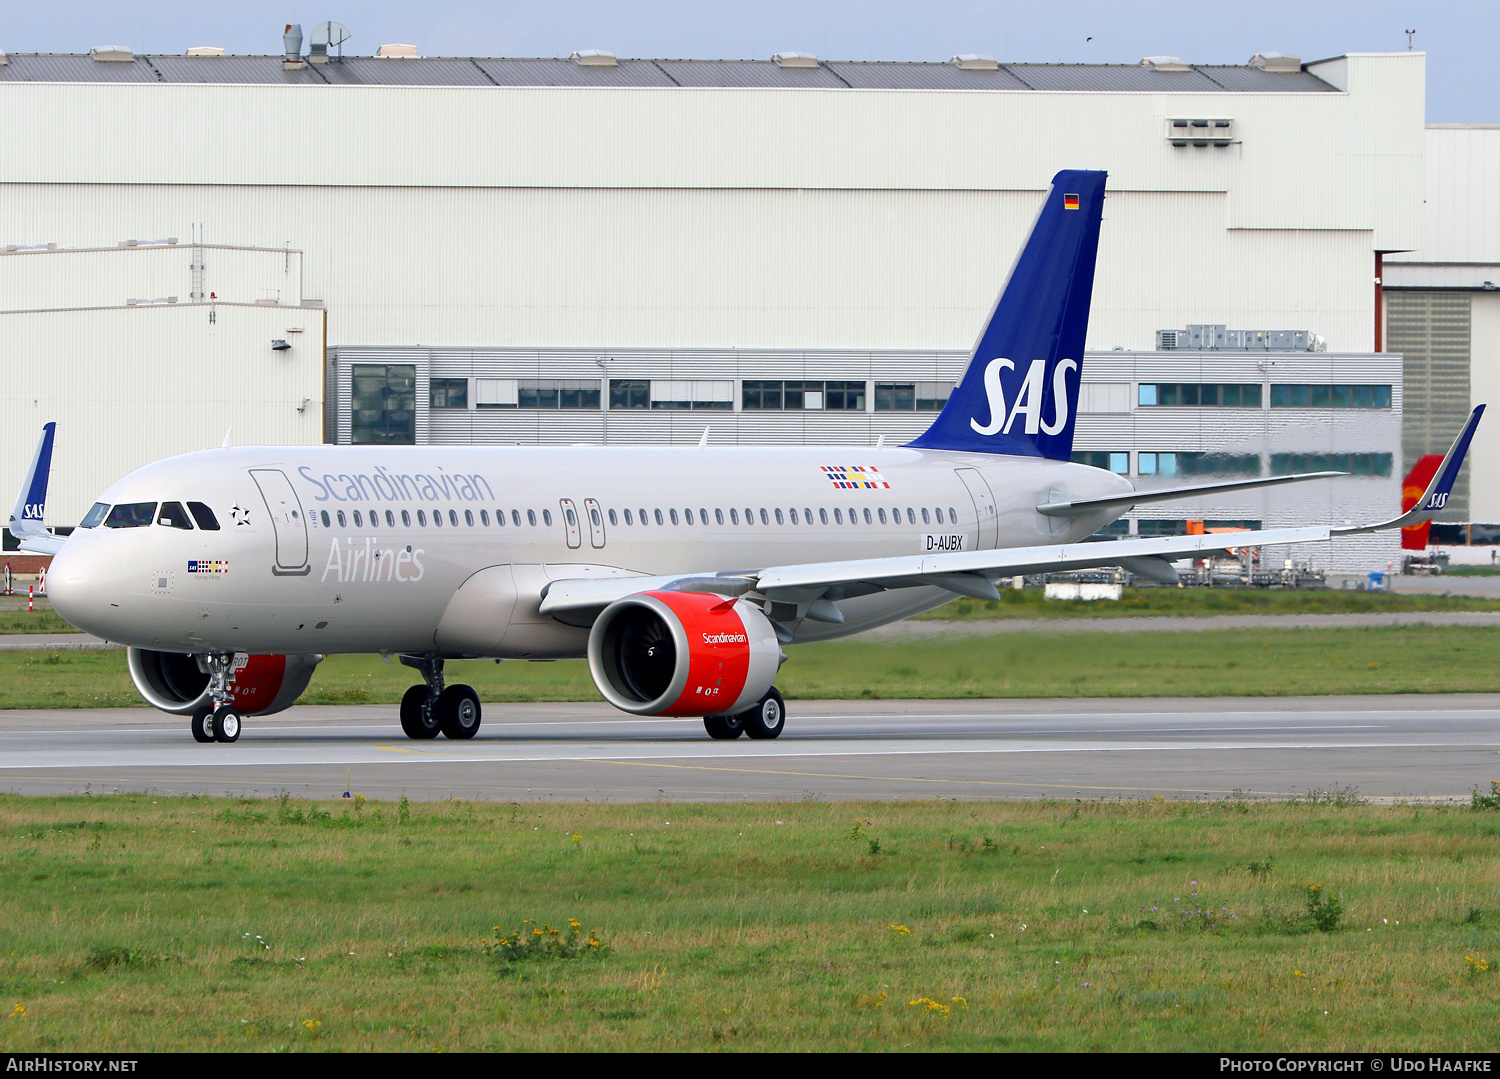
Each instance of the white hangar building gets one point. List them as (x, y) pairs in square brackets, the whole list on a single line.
[(404, 249)]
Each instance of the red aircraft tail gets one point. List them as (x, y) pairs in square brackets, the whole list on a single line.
[(1415, 538)]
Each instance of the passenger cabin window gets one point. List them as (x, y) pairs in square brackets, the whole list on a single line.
[(204, 516), (131, 515), (174, 516), (95, 515)]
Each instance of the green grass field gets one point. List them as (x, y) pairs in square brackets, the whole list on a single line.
[(1260, 662), (1187, 602), (133, 923)]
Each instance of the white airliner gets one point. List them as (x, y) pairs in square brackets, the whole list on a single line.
[(679, 572)]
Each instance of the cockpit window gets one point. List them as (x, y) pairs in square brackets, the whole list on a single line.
[(173, 516), (95, 515), (204, 516), (131, 515)]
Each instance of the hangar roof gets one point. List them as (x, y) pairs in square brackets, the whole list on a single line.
[(481, 71)]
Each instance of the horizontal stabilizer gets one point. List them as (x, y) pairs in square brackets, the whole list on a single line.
[(1079, 507)]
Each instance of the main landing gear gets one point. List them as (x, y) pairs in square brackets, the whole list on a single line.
[(765, 719), (432, 709), (217, 721)]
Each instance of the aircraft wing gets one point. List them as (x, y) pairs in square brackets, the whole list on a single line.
[(966, 573), (973, 573)]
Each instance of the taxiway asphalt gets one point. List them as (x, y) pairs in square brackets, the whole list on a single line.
[(1421, 747)]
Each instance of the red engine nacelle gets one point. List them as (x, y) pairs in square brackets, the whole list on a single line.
[(683, 654), (261, 685)]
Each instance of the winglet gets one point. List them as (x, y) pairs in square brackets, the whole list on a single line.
[(1435, 498), (30, 511)]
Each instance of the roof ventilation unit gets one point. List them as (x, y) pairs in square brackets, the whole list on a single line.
[(326, 35), (795, 59), (112, 54), (594, 58), (1165, 63), (1277, 63), (972, 61), (4, 59), (204, 50), (291, 41), (398, 52)]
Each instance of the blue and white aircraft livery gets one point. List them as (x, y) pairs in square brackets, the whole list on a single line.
[(680, 573)]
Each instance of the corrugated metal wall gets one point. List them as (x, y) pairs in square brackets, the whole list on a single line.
[(1131, 428), (743, 268), (128, 386), (109, 277), (1431, 329)]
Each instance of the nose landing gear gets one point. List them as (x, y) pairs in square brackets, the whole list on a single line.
[(433, 708), (218, 721)]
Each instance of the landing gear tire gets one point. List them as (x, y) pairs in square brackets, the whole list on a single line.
[(768, 718), (226, 721), (203, 725), (725, 727), (457, 712), (413, 723)]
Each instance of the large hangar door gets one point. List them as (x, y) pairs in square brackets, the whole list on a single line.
[(286, 516)]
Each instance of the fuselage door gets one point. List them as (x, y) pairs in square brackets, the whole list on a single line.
[(285, 509), (596, 521), (570, 520), (984, 507)]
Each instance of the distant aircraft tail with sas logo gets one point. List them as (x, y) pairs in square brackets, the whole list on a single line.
[(1019, 394)]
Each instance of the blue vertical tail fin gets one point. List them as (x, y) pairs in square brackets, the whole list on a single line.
[(28, 518), (1019, 394)]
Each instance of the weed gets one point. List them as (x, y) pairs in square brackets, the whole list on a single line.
[(875, 847), (541, 942), (1324, 911), (1490, 801), (120, 957), (1474, 917), (1343, 797), (1259, 870), (403, 809)]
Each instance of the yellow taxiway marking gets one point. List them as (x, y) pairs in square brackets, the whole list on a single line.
[(400, 749)]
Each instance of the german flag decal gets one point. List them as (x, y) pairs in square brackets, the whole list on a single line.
[(1070, 202)]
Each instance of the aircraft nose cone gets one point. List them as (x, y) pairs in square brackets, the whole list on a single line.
[(73, 589)]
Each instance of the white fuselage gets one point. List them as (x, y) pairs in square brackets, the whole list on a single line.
[(356, 561)]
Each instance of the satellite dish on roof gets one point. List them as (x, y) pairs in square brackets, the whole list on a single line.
[(328, 35)]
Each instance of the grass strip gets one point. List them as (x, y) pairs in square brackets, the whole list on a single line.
[(1217, 663), (140, 922), (1188, 602)]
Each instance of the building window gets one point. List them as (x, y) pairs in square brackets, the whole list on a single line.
[(1109, 460), (557, 393), (450, 393), (802, 395), (629, 393), (1200, 394), (1359, 464), (1198, 464), (698, 394), (384, 404), (536, 393), (911, 396), (1295, 396)]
